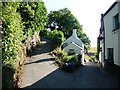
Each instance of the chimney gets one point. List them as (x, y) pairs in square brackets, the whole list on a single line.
[(74, 33)]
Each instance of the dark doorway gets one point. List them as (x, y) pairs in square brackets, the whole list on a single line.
[(110, 56)]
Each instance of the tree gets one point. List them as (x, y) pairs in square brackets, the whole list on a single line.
[(20, 20), (34, 16), (65, 21), (12, 30), (85, 40), (27, 14), (57, 38), (40, 17)]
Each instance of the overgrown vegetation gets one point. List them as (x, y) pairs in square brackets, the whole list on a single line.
[(91, 56), (67, 62), (34, 16), (12, 32), (57, 37), (21, 22)]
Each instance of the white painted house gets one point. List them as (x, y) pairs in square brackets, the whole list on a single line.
[(109, 37), (73, 43)]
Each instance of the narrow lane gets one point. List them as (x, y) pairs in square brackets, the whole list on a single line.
[(85, 77), (38, 65), (40, 72)]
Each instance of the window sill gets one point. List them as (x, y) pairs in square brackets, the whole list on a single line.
[(115, 29)]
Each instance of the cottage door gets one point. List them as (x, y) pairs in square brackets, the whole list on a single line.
[(110, 56)]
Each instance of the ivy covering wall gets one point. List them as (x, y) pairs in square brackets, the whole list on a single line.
[(21, 22)]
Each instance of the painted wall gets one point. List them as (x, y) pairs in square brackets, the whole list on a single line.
[(72, 46), (119, 46), (119, 35), (101, 54), (73, 42), (73, 39), (76, 49), (112, 39)]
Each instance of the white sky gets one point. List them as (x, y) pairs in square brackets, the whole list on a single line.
[(88, 13)]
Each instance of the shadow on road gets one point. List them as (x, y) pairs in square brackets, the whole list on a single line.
[(41, 60), (85, 77), (44, 48), (88, 76)]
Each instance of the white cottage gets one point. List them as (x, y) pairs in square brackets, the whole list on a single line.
[(73, 43)]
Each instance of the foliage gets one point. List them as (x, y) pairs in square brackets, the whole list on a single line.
[(94, 56), (93, 49), (87, 57), (0, 12), (85, 40), (7, 73), (65, 21), (45, 34), (61, 57), (21, 22), (12, 32), (34, 16), (57, 37), (79, 56), (59, 53), (63, 60), (40, 17), (71, 53), (97, 55)]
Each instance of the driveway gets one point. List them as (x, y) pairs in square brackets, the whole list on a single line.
[(40, 72)]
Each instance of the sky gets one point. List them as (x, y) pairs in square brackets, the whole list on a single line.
[(87, 12)]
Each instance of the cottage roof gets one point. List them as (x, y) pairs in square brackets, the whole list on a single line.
[(74, 39), (72, 43)]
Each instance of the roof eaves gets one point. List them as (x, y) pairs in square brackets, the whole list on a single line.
[(111, 7), (75, 45)]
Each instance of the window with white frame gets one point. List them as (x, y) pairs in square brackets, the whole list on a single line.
[(116, 22)]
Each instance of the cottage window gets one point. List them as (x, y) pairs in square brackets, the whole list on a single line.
[(71, 52), (116, 22)]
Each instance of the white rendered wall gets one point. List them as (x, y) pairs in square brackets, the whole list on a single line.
[(73, 39), (112, 38), (72, 46)]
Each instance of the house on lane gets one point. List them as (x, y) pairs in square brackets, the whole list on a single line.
[(74, 44), (109, 36)]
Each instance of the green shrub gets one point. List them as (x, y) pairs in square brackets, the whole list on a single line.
[(71, 53), (16, 30), (8, 71), (45, 34), (79, 56), (71, 59), (57, 37), (62, 59), (12, 35)]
